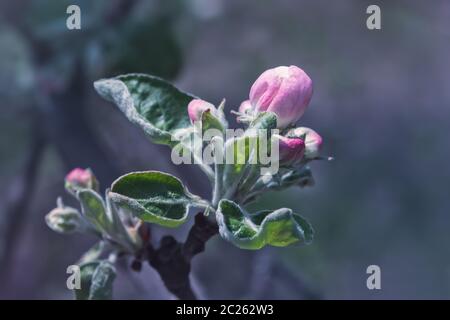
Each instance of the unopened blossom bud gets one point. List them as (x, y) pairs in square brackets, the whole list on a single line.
[(196, 108), (290, 149), (286, 91), (313, 141), (245, 107), (81, 179), (65, 219)]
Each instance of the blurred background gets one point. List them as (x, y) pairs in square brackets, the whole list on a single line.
[(381, 102)]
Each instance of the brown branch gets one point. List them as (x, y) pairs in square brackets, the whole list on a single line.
[(172, 260)]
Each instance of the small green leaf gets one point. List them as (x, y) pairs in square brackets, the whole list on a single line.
[(241, 149), (102, 282), (86, 272), (153, 104), (105, 218), (277, 228), (210, 121), (93, 208), (153, 196), (96, 281), (119, 231), (246, 150), (66, 220)]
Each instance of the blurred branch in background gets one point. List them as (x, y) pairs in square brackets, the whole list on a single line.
[(16, 200)]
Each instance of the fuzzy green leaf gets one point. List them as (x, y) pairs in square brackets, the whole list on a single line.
[(119, 230), (105, 218), (150, 102), (277, 228), (93, 208), (211, 121), (96, 281), (102, 282), (86, 272), (153, 196), (242, 149), (246, 149)]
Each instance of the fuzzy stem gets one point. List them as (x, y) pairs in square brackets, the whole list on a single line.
[(218, 175), (217, 192)]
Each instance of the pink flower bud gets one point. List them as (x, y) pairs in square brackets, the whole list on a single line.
[(313, 141), (245, 107), (196, 108), (290, 149), (286, 91), (81, 178)]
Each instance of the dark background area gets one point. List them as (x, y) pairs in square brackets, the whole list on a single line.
[(381, 102)]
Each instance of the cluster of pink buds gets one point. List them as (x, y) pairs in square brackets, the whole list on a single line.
[(285, 91)]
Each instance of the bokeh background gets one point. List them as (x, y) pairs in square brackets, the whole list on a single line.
[(381, 102)]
